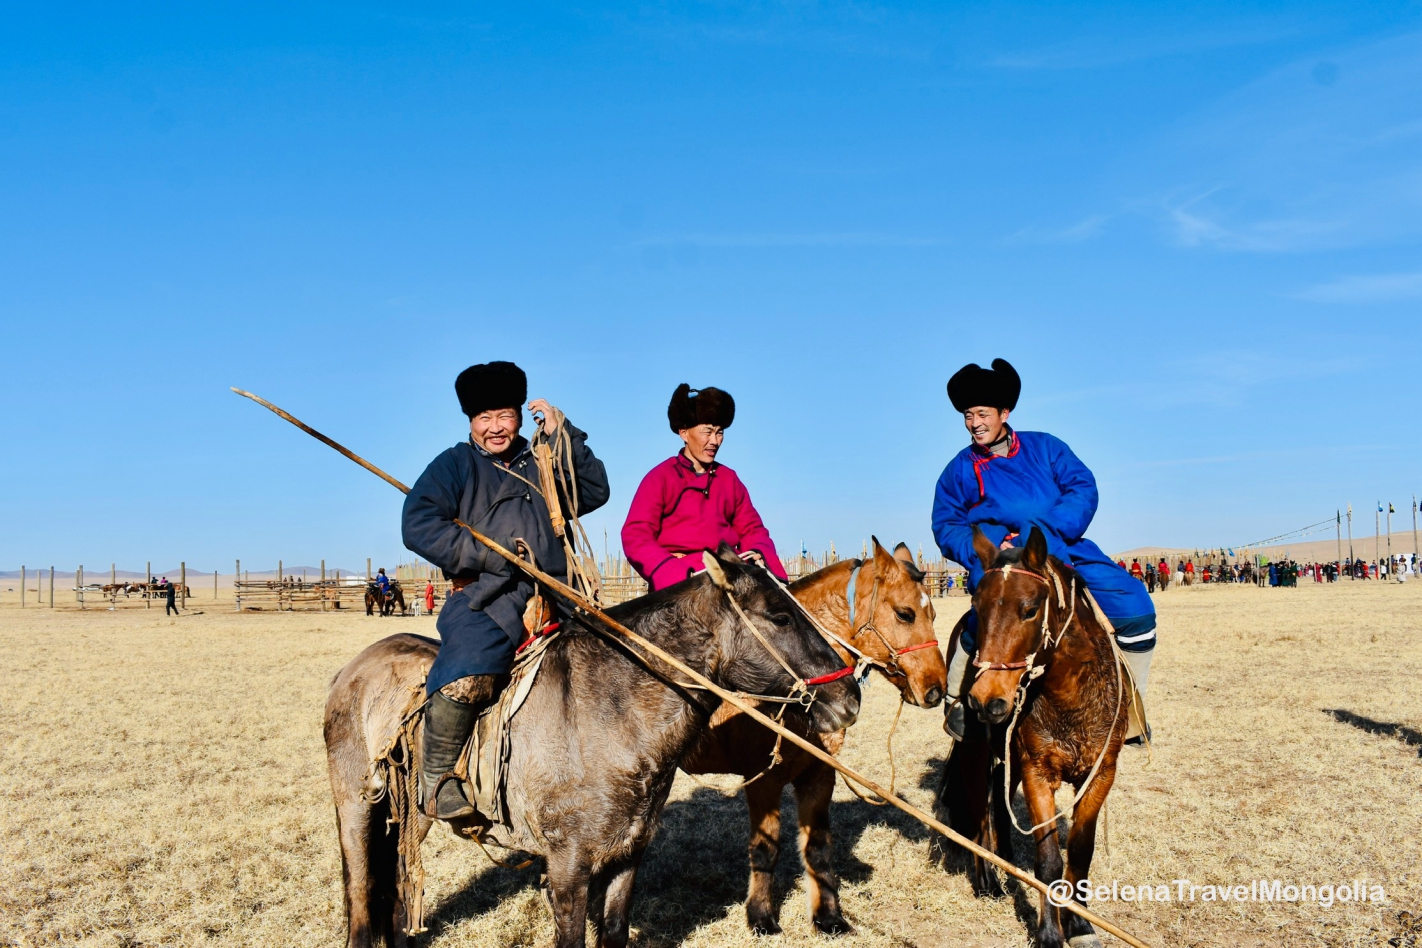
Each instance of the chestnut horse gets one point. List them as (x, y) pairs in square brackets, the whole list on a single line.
[(592, 752), (1046, 672), (891, 622)]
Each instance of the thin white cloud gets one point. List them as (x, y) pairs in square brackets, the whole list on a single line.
[(1102, 51), (1081, 231), (1382, 288), (1199, 227), (832, 239)]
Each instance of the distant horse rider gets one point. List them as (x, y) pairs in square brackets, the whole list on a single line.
[(691, 502), (1006, 482), (170, 595), (383, 582), (1136, 570), (489, 483)]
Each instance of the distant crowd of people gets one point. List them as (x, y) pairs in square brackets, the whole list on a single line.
[(1286, 572)]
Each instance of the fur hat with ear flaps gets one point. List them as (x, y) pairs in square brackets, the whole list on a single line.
[(973, 386), (708, 406), (491, 385)]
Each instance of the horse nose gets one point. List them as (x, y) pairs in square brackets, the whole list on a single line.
[(974, 703), (997, 710), (932, 696)]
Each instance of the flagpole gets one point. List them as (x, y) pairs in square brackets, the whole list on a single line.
[(1338, 531), (1377, 538), (1414, 529), (1352, 566), (1389, 537)]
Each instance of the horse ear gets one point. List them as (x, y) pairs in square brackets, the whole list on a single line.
[(1034, 557), (715, 570), (726, 553), (985, 548), (904, 557)]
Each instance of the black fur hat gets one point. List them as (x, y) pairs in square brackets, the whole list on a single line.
[(491, 385), (973, 385), (709, 406)]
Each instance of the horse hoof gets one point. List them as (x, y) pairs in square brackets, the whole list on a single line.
[(833, 925), (1084, 941), (765, 925)]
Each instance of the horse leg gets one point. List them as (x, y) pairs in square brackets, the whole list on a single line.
[(568, 879), (1081, 847), (763, 802), (612, 925), (375, 912), (813, 790), (1042, 806)]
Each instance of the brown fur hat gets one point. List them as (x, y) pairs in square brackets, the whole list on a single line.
[(973, 386), (708, 406), (491, 385)]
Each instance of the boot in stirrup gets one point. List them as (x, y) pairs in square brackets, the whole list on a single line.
[(955, 716), (448, 724)]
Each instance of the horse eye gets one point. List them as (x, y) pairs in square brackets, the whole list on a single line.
[(1030, 613), (781, 619), (905, 615)]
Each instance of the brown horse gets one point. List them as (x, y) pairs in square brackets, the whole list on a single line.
[(892, 624), (592, 752), (1046, 672), (395, 597)]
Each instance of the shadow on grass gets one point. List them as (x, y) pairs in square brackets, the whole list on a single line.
[(1408, 736), (696, 869)]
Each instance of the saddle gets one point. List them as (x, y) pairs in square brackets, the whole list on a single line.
[(483, 767)]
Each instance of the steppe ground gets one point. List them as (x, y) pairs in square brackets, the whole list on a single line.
[(164, 784)]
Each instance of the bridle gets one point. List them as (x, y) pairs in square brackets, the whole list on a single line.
[(800, 693), (856, 631), (1047, 640)]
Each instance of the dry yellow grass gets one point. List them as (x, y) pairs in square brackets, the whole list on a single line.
[(165, 785)]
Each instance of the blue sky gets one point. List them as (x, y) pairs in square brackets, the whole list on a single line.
[(1196, 230)]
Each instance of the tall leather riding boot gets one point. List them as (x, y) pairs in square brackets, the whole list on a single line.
[(955, 717), (448, 724)]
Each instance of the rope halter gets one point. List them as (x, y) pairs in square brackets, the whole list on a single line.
[(800, 693)]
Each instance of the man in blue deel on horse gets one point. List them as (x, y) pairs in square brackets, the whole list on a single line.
[(1006, 482)]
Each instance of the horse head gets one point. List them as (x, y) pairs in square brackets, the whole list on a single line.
[(782, 654), (899, 628), (1013, 601)]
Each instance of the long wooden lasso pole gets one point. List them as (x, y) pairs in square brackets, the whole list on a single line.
[(611, 625)]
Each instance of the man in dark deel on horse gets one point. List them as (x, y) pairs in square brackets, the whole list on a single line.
[(1007, 482), (489, 482)]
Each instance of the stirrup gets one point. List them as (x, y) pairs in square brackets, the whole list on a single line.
[(431, 804)]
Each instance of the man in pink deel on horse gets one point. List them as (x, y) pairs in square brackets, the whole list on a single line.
[(691, 502)]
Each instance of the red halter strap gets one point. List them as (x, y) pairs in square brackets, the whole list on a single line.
[(914, 648), (832, 676)]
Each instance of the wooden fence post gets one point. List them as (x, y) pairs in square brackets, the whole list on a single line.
[(51, 587), (323, 585), (79, 585), (148, 585), (183, 578), (236, 589), (367, 569), (214, 585)]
